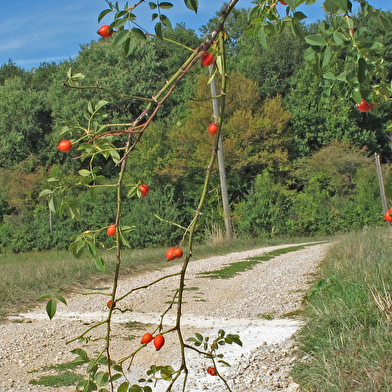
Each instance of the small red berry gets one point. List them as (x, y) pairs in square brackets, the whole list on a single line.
[(144, 189), (104, 31), (65, 146), (388, 216), (207, 59), (111, 230), (213, 128), (159, 341), (147, 338), (211, 371), (282, 2), (109, 304), (364, 106), (178, 253), (170, 254)]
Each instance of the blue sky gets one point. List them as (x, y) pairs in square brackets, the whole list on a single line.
[(52, 30)]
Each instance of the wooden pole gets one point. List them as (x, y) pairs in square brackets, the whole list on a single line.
[(381, 183), (221, 164)]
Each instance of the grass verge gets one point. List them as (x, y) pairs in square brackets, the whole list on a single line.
[(347, 342)]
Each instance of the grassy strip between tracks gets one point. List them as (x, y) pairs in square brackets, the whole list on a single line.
[(347, 342)]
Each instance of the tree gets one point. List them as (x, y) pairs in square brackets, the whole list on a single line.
[(9, 71), (25, 123)]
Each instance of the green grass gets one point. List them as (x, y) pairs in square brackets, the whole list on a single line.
[(347, 342), (64, 377), (58, 380), (233, 269), (26, 276)]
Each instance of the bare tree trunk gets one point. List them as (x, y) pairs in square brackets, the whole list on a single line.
[(221, 164)]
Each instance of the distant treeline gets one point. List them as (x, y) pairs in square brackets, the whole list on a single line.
[(292, 168)]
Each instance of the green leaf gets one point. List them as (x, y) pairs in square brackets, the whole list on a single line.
[(297, 29), (344, 5), (309, 54), (152, 5), (147, 389), (115, 156), (127, 229), (138, 33), (124, 241), (100, 104), (44, 296), (100, 264), (90, 107), (167, 373), (339, 38), (235, 339), (330, 7), (192, 4), (51, 308), (121, 37), (132, 191), (165, 5), (103, 14), (165, 21), (129, 46), (92, 248), (123, 387), (199, 337), (74, 212), (327, 57), (158, 30), (116, 377), (135, 388), (224, 363), (93, 194), (102, 378), (316, 40), (342, 77), (299, 15), (371, 45), (84, 173), (80, 352), (329, 76), (45, 192), (120, 23), (362, 70), (61, 298)]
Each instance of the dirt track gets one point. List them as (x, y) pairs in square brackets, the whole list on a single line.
[(253, 304)]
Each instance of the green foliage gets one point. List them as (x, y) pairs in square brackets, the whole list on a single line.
[(25, 122), (362, 64), (264, 211), (333, 191)]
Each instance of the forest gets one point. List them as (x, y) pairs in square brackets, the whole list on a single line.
[(294, 167)]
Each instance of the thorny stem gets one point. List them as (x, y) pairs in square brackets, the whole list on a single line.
[(146, 285), (159, 99), (98, 87), (198, 210), (87, 331)]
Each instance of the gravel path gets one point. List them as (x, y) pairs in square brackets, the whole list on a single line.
[(254, 304)]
